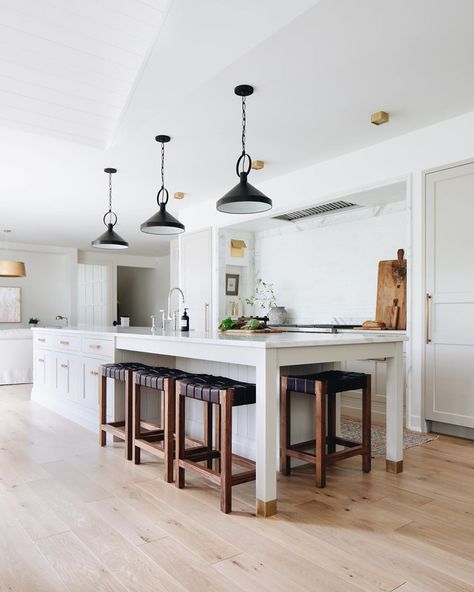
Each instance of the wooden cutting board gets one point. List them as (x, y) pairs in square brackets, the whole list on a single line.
[(392, 293)]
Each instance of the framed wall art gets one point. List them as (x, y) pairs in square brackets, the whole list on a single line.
[(10, 305), (232, 284)]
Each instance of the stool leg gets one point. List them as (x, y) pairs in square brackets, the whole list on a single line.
[(217, 435), (366, 426), (320, 410), (226, 451), (331, 423), (208, 431), (285, 427), (128, 414), (180, 432), (169, 427), (136, 397), (102, 409)]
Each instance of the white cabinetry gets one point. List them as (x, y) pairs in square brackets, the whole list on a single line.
[(196, 277), (66, 373), (449, 387)]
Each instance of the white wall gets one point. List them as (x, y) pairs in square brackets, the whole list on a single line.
[(405, 158), (325, 270), (47, 290)]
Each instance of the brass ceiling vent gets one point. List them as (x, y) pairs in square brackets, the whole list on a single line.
[(324, 209)]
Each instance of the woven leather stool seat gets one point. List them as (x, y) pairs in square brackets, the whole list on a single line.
[(206, 387), (154, 377), (337, 381), (118, 371)]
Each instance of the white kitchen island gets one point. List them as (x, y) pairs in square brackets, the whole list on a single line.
[(267, 354)]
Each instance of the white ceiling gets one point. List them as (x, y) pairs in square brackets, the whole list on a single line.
[(67, 68), (319, 68)]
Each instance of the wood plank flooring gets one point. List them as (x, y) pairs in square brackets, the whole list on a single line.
[(77, 517)]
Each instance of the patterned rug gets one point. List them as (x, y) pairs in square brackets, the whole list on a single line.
[(351, 430)]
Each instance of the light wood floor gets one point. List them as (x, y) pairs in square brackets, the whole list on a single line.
[(77, 517)]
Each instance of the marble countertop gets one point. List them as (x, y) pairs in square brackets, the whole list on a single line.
[(268, 340)]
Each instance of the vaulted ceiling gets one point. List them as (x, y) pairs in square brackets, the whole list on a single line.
[(88, 84)]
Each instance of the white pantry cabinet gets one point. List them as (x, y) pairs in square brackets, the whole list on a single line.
[(449, 375), (195, 274)]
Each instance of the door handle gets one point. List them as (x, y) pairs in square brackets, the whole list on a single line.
[(428, 317), (206, 317)]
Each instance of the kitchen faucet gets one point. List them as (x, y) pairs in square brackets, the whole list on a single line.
[(170, 317), (61, 318)]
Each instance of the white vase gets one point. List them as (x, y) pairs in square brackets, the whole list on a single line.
[(277, 315)]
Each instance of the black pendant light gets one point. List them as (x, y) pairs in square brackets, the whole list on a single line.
[(110, 239), (162, 222), (244, 198)]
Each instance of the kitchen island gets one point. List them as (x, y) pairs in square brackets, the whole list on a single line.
[(66, 361)]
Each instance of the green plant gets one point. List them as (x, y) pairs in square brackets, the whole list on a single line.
[(33, 321), (264, 296)]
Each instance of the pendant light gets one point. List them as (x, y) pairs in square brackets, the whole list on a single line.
[(110, 239), (162, 222), (244, 198), (9, 268)]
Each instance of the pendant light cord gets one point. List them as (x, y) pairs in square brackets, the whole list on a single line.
[(110, 192), (244, 122), (244, 162), (163, 195)]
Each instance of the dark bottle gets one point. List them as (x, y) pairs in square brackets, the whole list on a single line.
[(185, 321)]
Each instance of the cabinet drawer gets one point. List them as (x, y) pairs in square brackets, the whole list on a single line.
[(67, 342), (98, 347), (42, 340)]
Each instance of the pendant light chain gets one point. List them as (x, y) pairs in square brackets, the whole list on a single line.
[(110, 192), (244, 122), (162, 165)]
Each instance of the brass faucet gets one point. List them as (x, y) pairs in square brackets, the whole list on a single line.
[(61, 318)]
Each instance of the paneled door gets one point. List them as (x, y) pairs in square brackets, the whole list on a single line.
[(449, 376), (196, 277)]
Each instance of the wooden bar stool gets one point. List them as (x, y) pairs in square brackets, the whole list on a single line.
[(120, 429), (226, 394), (157, 440), (324, 385)]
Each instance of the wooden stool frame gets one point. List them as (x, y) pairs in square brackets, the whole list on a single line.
[(189, 458), (320, 458)]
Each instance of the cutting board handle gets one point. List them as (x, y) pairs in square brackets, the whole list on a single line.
[(400, 255)]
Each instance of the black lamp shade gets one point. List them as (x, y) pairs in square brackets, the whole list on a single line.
[(244, 199), (162, 223), (110, 240)]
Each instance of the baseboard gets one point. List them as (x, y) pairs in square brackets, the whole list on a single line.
[(449, 429), (84, 417)]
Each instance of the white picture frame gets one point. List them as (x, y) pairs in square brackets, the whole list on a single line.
[(10, 304)]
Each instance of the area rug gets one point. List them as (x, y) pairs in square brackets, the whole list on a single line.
[(351, 430)]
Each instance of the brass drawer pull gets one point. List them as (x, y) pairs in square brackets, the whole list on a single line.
[(64, 366), (42, 339), (64, 342), (94, 373), (94, 346), (41, 360)]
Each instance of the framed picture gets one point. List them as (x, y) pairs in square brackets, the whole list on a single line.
[(10, 305), (231, 284)]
